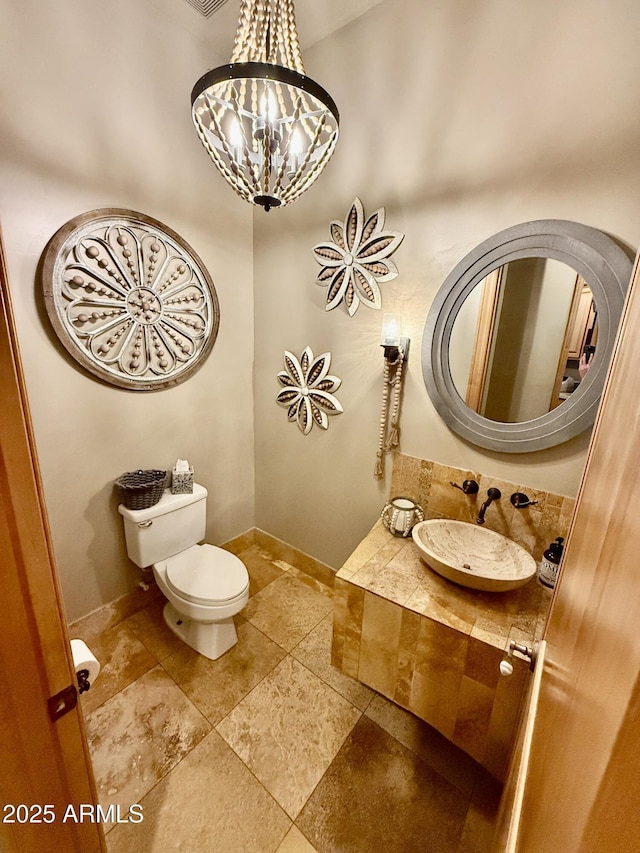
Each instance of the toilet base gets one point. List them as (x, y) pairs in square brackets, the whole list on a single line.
[(210, 639)]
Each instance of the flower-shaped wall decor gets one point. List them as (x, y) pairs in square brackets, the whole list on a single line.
[(129, 299), (357, 259), (306, 392)]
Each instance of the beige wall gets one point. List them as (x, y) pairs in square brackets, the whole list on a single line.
[(94, 112), (461, 118)]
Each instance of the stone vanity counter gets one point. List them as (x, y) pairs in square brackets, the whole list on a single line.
[(434, 647)]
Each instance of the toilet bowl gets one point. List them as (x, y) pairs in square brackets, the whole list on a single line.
[(205, 586)]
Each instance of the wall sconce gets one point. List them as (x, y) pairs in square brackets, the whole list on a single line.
[(391, 338), (396, 349)]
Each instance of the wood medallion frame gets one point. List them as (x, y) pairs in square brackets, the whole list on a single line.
[(129, 299)]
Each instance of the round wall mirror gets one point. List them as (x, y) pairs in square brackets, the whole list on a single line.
[(518, 340)]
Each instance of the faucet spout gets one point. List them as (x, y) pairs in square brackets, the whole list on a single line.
[(492, 495)]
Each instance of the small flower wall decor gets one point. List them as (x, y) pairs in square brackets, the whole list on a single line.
[(357, 259), (306, 392)]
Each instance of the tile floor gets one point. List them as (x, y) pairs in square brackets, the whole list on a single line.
[(269, 749)]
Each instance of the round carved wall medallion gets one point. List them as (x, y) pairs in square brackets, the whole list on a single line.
[(129, 299)]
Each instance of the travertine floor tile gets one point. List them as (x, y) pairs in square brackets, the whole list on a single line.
[(314, 651), (216, 686), (379, 796), (385, 781), (287, 610), (312, 582), (139, 735), (295, 842), (150, 628), (480, 824), (443, 756), (209, 803), (265, 730), (88, 627), (261, 569), (122, 657)]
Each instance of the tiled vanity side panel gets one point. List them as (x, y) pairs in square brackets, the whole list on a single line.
[(347, 627), (433, 703), (380, 644), (429, 484), (475, 703), (407, 654), (340, 594), (441, 656), (445, 677), (505, 714)]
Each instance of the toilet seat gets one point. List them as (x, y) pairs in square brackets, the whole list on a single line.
[(205, 574)]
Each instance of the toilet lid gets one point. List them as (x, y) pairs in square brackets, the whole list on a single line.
[(205, 574)]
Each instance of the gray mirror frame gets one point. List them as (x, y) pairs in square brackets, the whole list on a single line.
[(600, 261)]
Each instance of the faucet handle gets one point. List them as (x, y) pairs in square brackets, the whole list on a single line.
[(520, 500), (469, 487)]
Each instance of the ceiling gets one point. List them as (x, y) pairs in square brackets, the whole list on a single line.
[(315, 20)]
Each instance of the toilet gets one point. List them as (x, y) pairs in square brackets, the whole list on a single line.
[(205, 586)]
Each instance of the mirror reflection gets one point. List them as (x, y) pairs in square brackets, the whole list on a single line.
[(523, 340)]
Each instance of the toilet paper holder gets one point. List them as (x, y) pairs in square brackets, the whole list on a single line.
[(83, 680), (86, 665)]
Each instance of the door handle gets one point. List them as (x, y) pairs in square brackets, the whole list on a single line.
[(522, 651)]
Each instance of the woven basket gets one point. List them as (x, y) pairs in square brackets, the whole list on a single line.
[(141, 489)]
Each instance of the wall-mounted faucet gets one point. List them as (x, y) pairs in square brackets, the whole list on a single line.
[(492, 495)]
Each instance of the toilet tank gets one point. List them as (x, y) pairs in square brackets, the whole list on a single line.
[(172, 525)]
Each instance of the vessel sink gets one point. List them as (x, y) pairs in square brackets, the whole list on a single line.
[(473, 556)]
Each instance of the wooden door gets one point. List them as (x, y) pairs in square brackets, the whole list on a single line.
[(44, 765), (581, 791), (488, 312)]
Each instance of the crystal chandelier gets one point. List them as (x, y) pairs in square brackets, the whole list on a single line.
[(269, 129)]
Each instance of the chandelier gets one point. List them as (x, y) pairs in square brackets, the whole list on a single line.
[(269, 129)]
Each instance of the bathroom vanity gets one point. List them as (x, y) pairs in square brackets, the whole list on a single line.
[(434, 647)]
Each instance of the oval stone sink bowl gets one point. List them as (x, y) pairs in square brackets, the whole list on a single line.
[(473, 556)]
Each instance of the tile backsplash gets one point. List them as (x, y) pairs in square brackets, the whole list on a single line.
[(429, 484)]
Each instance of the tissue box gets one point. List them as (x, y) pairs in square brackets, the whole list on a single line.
[(182, 482)]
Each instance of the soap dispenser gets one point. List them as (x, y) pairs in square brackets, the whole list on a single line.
[(550, 562)]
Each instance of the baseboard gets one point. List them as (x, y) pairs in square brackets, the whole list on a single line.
[(109, 615), (304, 562)]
